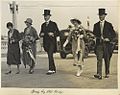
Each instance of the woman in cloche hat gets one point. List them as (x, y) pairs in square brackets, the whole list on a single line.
[(29, 45)]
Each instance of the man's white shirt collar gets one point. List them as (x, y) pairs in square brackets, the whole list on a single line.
[(102, 21), (47, 21)]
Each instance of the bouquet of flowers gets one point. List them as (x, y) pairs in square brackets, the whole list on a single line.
[(27, 41), (76, 33)]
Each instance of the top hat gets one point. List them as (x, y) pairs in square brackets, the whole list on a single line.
[(102, 11), (75, 20), (46, 12), (28, 20)]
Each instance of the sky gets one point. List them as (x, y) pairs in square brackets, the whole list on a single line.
[(62, 12)]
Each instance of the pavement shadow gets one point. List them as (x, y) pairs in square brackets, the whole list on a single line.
[(88, 76), (91, 56)]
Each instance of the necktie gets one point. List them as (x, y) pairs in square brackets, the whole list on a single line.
[(101, 27), (47, 23)]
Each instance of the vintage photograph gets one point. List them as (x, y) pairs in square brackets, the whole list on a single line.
[(59, 44)]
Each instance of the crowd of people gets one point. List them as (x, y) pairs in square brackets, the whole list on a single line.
[(103, 32)]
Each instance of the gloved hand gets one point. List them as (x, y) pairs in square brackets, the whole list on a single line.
[(81, 36), (42, 34), (58, 39), (12, 41), (51, 34), (106, 39)]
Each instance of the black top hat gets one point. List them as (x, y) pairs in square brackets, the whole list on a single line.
[(47, 12), (75, 20), (102, 11)]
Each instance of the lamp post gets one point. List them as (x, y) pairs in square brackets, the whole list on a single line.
[(14, 10)]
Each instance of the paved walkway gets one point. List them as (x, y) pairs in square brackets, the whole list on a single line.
[(65, 76)]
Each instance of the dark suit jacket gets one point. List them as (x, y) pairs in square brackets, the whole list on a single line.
[(108, 31), (47, 40)]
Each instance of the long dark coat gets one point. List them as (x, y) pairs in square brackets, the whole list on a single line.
[(13, 54), (47, 40), (108, 32)]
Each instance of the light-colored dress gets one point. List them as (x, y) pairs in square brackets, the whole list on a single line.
[(78, 44)]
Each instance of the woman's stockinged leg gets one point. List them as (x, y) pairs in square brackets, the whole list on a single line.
[(80, 64), (9, 70), (75, 60), (31, 70), (18, 69), (9, 67)]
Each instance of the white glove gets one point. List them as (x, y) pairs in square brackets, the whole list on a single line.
[(51, 34), (42, 34), (106, 39), (81, 36), (58, 39), (66, 42)]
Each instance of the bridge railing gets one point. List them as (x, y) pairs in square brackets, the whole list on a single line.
[(4, 46)]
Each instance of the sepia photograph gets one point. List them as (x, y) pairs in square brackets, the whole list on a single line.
[(53, 45)]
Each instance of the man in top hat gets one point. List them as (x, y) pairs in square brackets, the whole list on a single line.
[(50, 33), (104, 34)]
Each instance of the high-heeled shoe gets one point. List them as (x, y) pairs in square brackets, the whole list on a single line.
[(74, 64), (8, 72), (79, 73), (31, 71), (18, 72)]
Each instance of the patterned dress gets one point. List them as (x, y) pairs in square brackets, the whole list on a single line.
[(29, 46), (78, 44)]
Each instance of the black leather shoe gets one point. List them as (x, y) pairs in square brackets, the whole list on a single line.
[(106, 76), (49, 73), (8, 72), (17, 72), (74, 64), (31, 72), (98, 76)]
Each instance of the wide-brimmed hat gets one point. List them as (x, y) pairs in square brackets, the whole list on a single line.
[(102, 11), (75, 20), (46, 12), (28, 20)]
